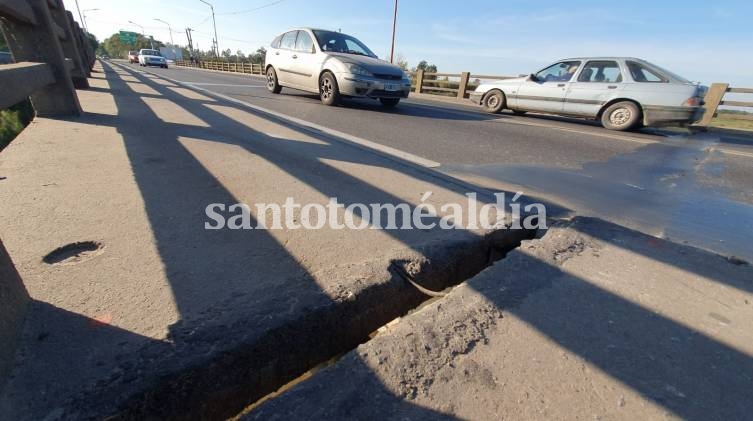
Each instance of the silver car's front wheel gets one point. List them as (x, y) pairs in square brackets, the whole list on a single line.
[(329, 91)]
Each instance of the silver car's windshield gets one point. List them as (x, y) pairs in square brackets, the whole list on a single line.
[(337, 42)]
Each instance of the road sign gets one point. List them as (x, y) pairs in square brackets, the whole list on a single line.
[(128, 37)]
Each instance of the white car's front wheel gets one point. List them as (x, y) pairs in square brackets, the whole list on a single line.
[(494, 101)]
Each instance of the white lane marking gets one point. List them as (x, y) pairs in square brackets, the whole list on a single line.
[(634, 186), (363, 143), (573, 130), (408, 156), (731, 152), (224, 84), (515, 120)]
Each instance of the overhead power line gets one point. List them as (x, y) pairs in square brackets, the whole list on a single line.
[(241, 12)]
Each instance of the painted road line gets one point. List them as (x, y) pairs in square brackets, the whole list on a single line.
[(224, 84), (414, 158), (731, 152), (363, 143)]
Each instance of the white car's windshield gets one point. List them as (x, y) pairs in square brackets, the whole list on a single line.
[(150, 53), (337, 42)]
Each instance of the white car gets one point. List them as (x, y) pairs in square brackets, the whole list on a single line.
[(621, 92), (151, 58), (333, 65)]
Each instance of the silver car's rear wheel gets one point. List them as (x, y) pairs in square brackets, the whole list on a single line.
[(272, 84), (623, 115)]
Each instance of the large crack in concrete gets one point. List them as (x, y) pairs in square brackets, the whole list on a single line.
[(225, 381)]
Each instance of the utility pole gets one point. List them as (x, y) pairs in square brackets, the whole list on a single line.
[(394, 28), (214, 23), (190, 43), (80, 16)]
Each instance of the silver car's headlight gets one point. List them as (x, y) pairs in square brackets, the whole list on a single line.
[(358, 70)]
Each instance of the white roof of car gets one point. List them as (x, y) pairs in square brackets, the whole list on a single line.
[(604, 58)]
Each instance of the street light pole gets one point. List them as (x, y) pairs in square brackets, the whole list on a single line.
[(169, 29), (143, 33), (83, 18), (214, 23), (394, 28)]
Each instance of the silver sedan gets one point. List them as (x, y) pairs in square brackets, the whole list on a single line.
[(621, 92), (333, 65)]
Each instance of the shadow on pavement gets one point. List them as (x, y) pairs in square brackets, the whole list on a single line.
[(217, 275)]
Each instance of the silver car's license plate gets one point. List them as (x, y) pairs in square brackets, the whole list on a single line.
[(391, 87)]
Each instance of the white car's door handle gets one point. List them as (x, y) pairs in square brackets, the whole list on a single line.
[(295, 56), (561, 85), (612, 87), (277, 53)]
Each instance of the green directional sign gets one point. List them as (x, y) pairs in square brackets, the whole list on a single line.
[(128, 37)]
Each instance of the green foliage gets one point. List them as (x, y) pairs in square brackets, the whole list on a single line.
[(92, 40), (117, 49), (13, 120), (427, 68)]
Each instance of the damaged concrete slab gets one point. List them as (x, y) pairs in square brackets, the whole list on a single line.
[(592, 321), (139, 311)]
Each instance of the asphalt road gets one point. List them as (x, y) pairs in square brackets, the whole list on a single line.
[(694, 189)]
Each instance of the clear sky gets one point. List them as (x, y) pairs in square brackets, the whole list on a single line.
[(707, 41)]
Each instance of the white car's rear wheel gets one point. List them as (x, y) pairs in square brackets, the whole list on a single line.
[(494, 101), (273, 85), (621, 116)]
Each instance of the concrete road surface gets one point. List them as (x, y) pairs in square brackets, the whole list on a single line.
[(693, 189)]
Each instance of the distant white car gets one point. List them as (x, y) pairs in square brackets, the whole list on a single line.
[(151, 58), (333, 65), (621, 92)]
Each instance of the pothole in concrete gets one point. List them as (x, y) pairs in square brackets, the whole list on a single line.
[(71, 254)]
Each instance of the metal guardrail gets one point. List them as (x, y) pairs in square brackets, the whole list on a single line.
[(225, 66), (459, 85), (52, 55), (715, 98), (441, 83)]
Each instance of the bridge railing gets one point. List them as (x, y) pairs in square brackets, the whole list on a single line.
[(225, 66), (716, 98), (460, 85), (51, 53)]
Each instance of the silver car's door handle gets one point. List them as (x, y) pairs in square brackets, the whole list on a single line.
[(277, 53), (612, 87), (295, 56)]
